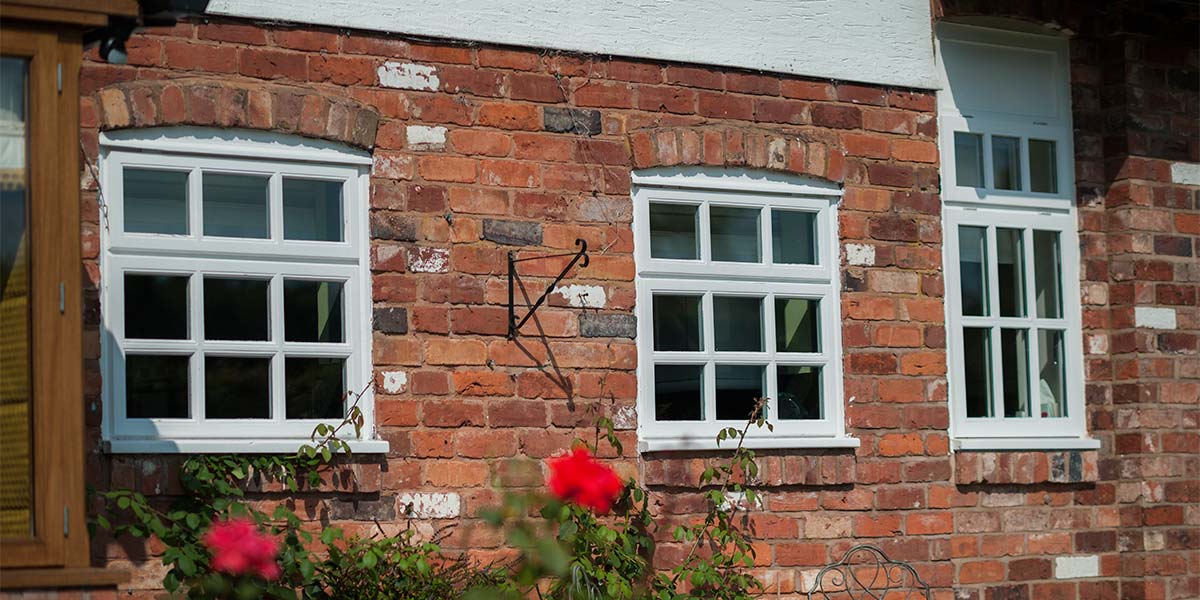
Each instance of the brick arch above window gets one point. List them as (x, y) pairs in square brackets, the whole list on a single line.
[(248, 105), (795, 153)]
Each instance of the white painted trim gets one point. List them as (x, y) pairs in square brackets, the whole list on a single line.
[(734, 180), (1026, 443), (261, 145), (231, 446), (752, 442)]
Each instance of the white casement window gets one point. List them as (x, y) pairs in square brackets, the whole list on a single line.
[(1011, 242), (235, 292), (737, 296)]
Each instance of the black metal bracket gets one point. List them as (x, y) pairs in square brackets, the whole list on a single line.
[(513, 324)]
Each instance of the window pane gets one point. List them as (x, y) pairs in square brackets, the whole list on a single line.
[(677, 324), (237, 388), (1010, 270), (235, 205), (315, 387), (236, 309), (1047, 273), (679, 392), (968, 159), (1043, 167), (799, 392), (312, 311), (793, 237), (155, 201), (674, 231), (156, 387), (1006, 162), (1014, 354), (797, 325), (156, 307), (734, 234), (738, 388), (977, 360), (1052, 373), (737, 324), (972, 266), (312, 210)]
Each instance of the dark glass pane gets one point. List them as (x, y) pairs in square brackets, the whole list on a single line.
[(1006, 162), (1052, 376), (1047, 274), (737, 324), (315, 387), (237, 388), (1014, 357), (799, 392), (968, 159), (734, 234), (797, 325), (738, 389), (155, 201), (793, 237), (235, 205), (312, 311), (679, 392), (977, 378), (156, 307), (972, 267), (1010, 271), (677, 324), (1043, 167), (674, 231), (156, 387), (312, 210), (236, 309)]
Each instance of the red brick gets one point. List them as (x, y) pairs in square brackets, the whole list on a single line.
[(272, 64), (915, 151), (726, 106), (508, 59), (536, 87), (201, 57), (229, 32), (807, 90), (604, 94), (446, 168), (483, 383), (505, 115), (455, 352)]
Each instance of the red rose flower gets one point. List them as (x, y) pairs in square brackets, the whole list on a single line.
[(238, 548), (579, 478)]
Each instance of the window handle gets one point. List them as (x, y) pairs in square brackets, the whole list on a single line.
[(62, 298)]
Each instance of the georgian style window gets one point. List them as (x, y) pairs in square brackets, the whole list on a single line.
[(235, 289), (737, 300), (1011, 243)]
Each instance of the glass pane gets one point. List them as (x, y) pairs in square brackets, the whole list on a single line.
[(968, 159), (799, 392), (1014, 357), (737, 324), (237, 387), (1006, 162), (674, 231), (236, 309), (156, 307), (1010, 270), (797, 325), (734, 234), (738, 388), (793, 237), (315, 387), (977, 360), (1043, 167), (16, 418), (312, 210), (1052, 373), (972, 267), (679, 392), (1047, 274), (156, 387), (235, 205), (155, 201), (312, 311), (677, 324)]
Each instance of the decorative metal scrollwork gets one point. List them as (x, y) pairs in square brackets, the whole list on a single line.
[(866, 573)]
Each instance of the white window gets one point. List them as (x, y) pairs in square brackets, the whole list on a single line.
[(235, 290), (1011, 243), (737, 299)]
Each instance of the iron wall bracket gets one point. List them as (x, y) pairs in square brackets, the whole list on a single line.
[(514, 326)]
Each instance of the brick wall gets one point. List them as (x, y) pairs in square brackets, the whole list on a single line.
[(482, 150)]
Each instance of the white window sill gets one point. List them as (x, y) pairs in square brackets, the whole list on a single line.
[(1003, 444), (754, 443), (231, 446)]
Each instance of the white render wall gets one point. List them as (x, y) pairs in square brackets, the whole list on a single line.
[(871, 41)]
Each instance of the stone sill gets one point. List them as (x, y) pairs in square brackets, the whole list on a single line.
[(57, 578), (1026, 467), (1006, 444), (231, 446)]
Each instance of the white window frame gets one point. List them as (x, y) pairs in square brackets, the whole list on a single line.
[(198, 256), (990, 208), (732, 187)]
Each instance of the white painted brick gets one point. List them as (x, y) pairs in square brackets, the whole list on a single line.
[(424, 137), (1154, 317), (394, 382), (1185, 173), (429, 505), (583, 296), (429, 260), (1075, 567), (1097, 343), (862, 255), (408, 76), (625, 417)]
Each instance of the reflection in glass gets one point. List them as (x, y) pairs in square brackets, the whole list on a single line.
[(977, 376), (1006, 162), (312, 210), (1010, 270), (235, 205), (1047, 274), (155, 201), (156, 386), (793, 237), (156, 307), (677, 323), (236, 309), (1043, 167), (734, 234), (737, 324), (674, 231), (738, 389), (312, 311), (799, 392), (1051, 373), (968, 159), (1014, 357), (679, 392), (237, 387), (972, 267), (315, 387), (797, 326)]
